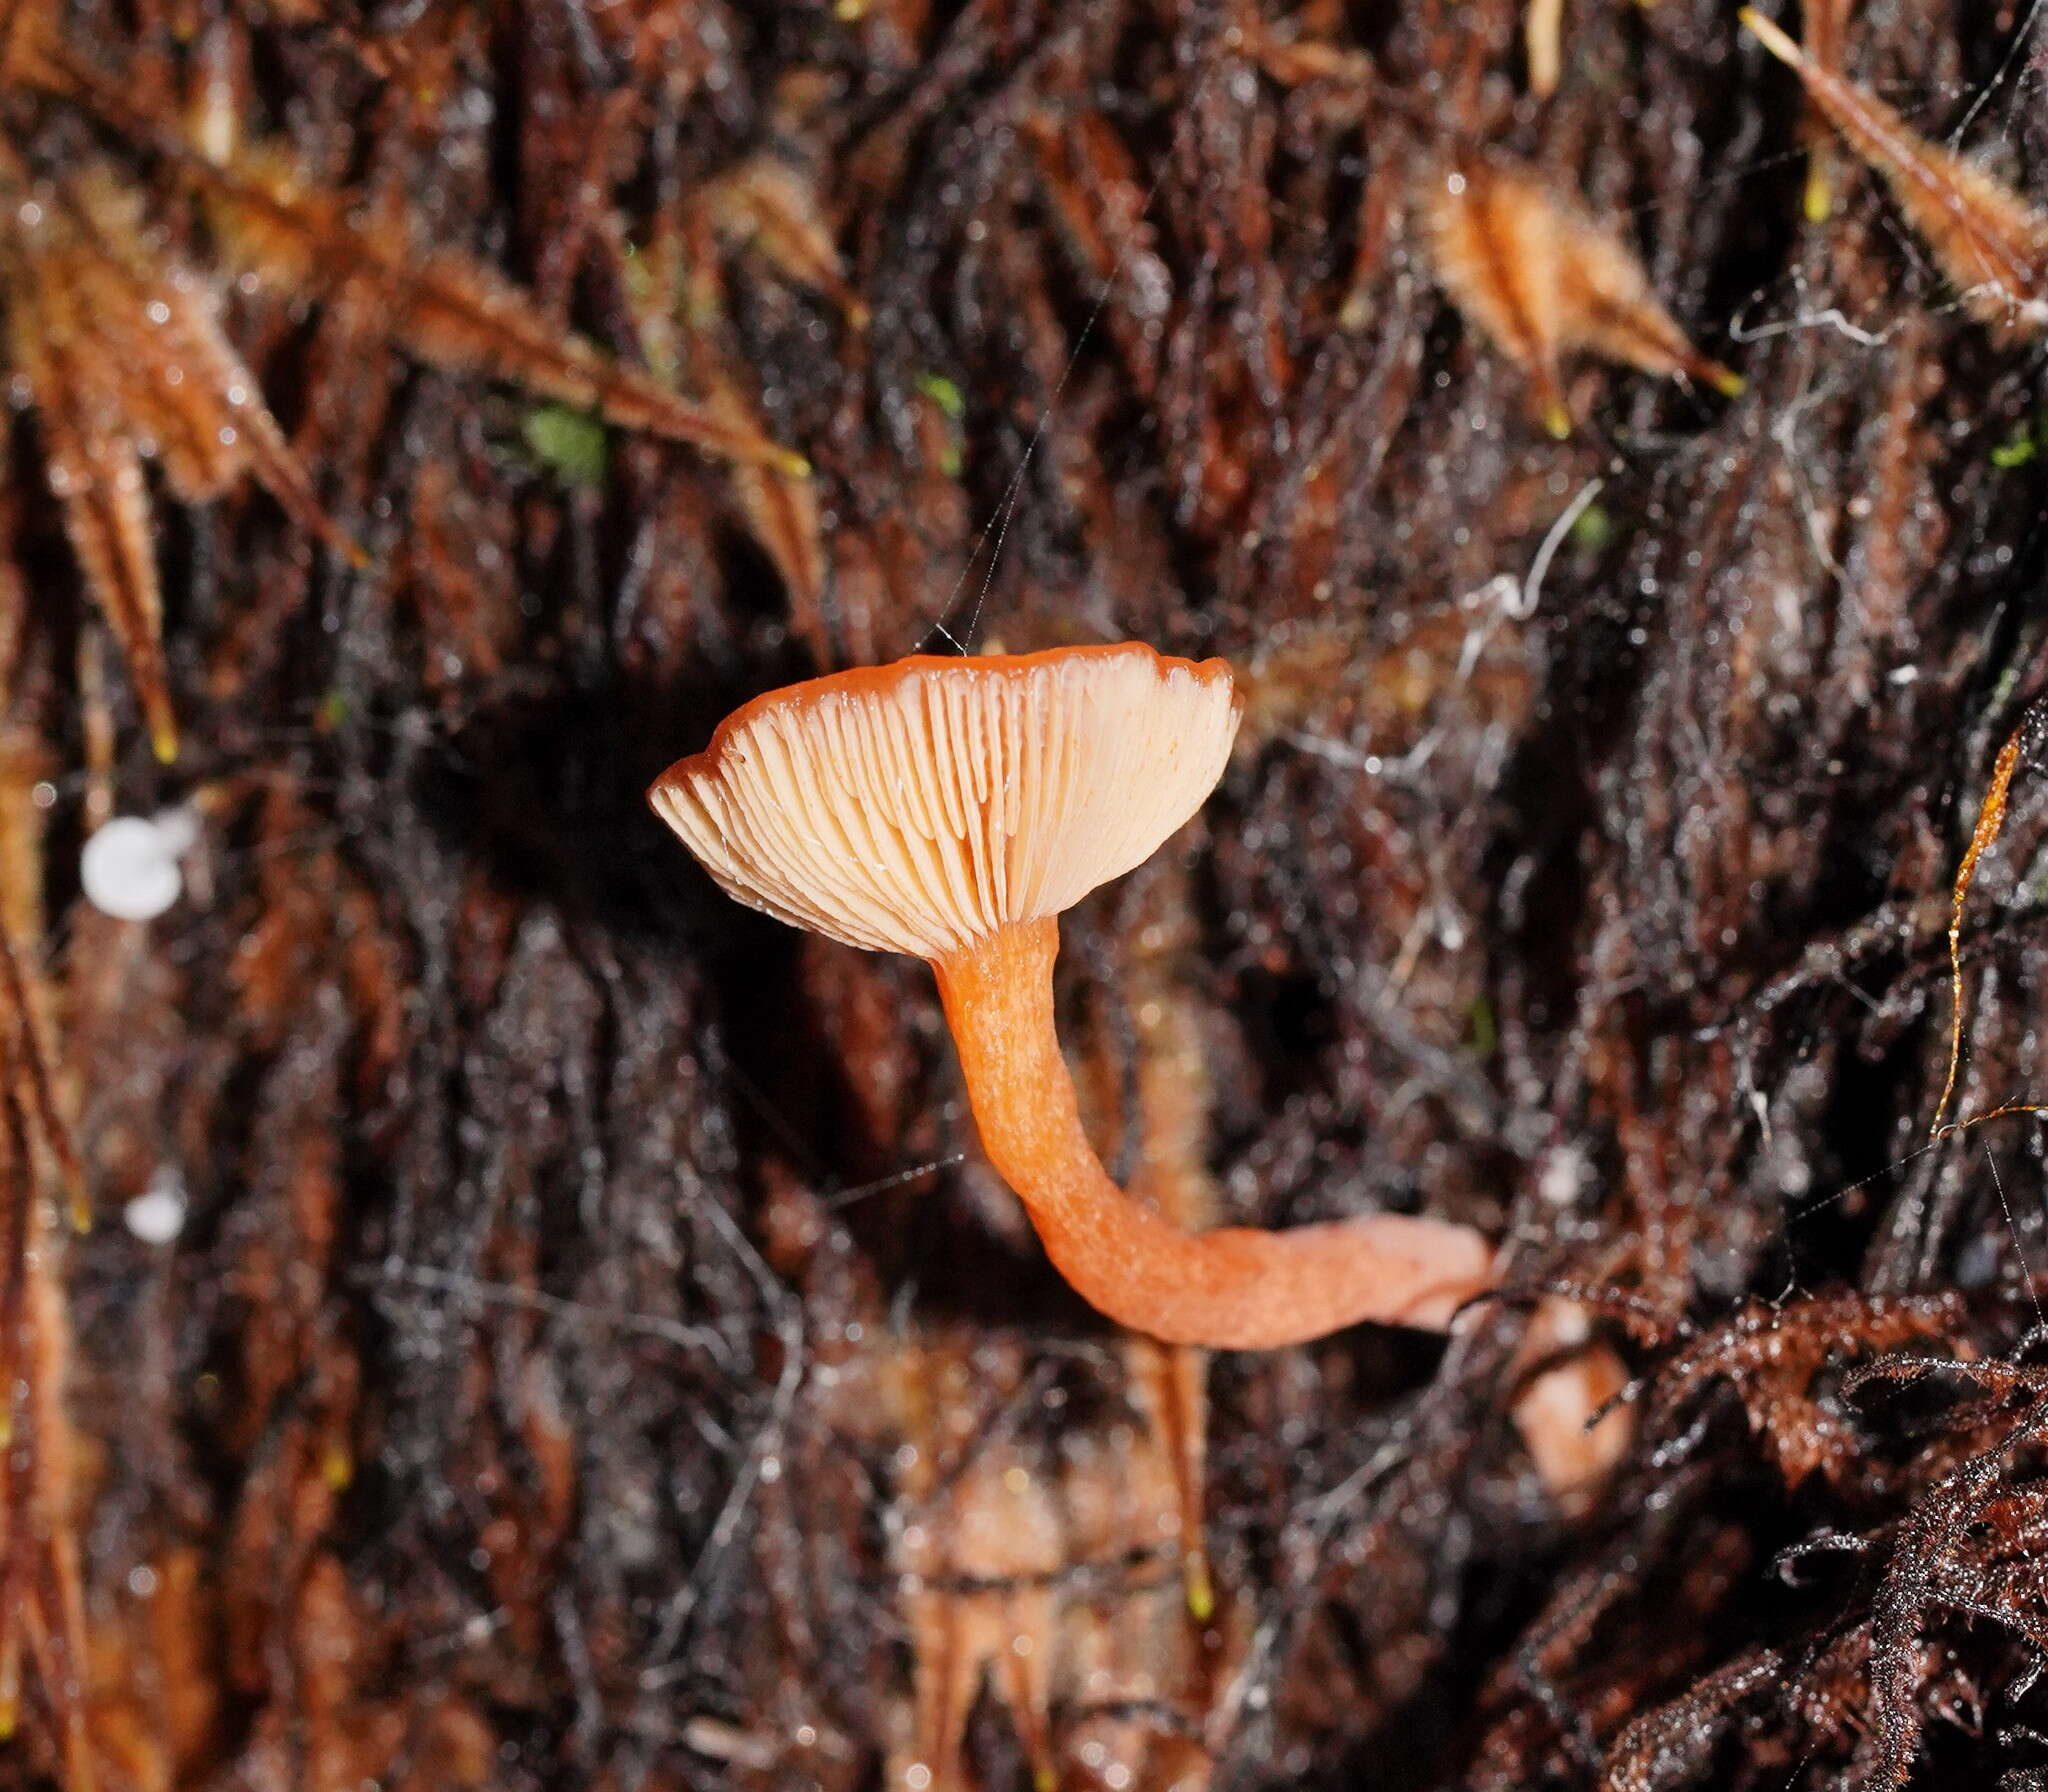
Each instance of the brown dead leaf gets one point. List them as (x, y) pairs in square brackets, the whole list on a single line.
[(977, 1550), (1294, 56), (1826, 28), (120, 347), (1540, 278), (42, 1599), (449, 311), (771, 207), (1991, 245), (2022, 745), (42, 1589), (273, 220)]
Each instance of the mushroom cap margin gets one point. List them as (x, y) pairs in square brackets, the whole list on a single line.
[(924, 805)]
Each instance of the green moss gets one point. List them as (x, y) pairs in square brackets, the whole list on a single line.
[(952, 406), (2020, 447), (570, 443), (1592, 529), (1483, 1034), (943, 393)]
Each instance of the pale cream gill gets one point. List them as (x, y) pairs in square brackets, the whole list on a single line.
[(927, 812)]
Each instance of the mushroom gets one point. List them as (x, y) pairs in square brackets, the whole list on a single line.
[(952, 808), (129, 867)]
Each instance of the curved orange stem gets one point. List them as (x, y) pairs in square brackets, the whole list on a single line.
[(1236, 1288)]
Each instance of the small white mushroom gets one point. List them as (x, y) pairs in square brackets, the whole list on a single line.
[(129, 867), (157, 1215)]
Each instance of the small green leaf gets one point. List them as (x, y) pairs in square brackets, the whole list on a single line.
[(2018, 448), (943, 393), (638, 274), (569, 442), (1485, 1035), (1592, 529)]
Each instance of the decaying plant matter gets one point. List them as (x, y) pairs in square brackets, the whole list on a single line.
[(1988, 240), (1540, 279), (117, 341), (44, 1658), (1825, 30), (121, 351), (542, 1327), (1543, 44)]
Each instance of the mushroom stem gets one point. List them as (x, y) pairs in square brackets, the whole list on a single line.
[(1236, 1288)]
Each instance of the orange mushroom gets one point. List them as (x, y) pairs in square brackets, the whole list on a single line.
[(952, 808)]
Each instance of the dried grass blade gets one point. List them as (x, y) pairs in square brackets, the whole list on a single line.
[(29, 1045), (451, 312), (1826, 32), (2024, 742), (17, 1193), (1615, 314), (98, 479), (1991, 245), (461, 316), (1494, 240), (1542, 47), (64, 1581)]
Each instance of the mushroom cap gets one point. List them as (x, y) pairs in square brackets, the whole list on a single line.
[(923, 806)]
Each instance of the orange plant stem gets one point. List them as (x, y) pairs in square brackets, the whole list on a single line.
[(1236, 1288)]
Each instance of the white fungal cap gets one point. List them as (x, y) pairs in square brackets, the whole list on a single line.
[(157, 1215), (129, 867), (923, 806)]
